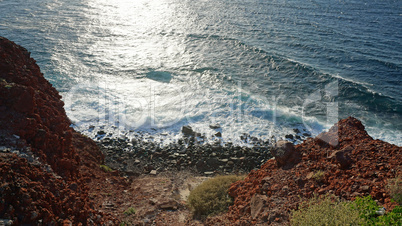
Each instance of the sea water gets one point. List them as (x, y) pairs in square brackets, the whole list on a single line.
[(264, 68)]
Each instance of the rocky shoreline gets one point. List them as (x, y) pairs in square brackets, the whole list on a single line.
[(192, 152), (138, 157), (52, 175)]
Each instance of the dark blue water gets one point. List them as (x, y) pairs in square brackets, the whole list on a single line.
[(257, 67)]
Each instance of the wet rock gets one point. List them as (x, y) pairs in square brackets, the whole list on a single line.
[(187, 131), (178, 156), (289, 136), (218, 134), (215, 126)]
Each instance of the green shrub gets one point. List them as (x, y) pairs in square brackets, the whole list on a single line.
[(319, 176), (367, 208), (325, 211), (395, 189), (129, 211), (106, 168), (211, 197)]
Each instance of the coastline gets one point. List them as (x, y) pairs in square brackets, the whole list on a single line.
[(51, 174), (141, 157)]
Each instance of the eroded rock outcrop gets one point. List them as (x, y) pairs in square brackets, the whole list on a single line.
[(31, 108), (344, 161), (40, 170)]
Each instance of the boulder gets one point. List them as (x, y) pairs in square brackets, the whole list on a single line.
[(342, 157), (215, 126), (285, 154), (187, 131), (169, 205), (257, 203), (289, 136)]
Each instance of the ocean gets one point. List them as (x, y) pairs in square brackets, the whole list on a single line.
[(146, 68)]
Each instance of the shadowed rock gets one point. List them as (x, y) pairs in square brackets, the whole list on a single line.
[(285, 154), (343, 157), (187, 131)]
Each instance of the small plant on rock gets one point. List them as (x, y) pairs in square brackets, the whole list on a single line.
[(211, 197), (319, 176), (395, 189), (106, 168), (129, 211), (369, 212)]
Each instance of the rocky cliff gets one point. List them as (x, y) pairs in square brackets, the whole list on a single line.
[(43, 162), (50, 174), (348, 161)]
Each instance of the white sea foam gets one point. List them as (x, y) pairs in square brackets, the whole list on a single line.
[(155, 66)]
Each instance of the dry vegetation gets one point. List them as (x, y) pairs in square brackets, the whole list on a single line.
[(211, 197)]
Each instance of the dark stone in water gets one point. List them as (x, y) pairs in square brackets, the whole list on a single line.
[(218, 134), (187, 131), (254, 139), (215, 126), (289, 136)]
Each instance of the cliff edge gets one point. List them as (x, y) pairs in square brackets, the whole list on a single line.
[(348, 161), (44, 163)]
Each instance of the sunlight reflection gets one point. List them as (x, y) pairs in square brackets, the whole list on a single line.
[(136, 31)]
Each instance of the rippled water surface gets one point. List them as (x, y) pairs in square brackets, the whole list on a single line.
[(257, 67)]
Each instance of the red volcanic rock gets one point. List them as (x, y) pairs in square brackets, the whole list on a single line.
[(32, 109), (353, 164), (28, 194), (33, 121)]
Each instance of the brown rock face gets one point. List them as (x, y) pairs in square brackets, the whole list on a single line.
[(32, 109), (355, 165), (30, 194), (32, 118)]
